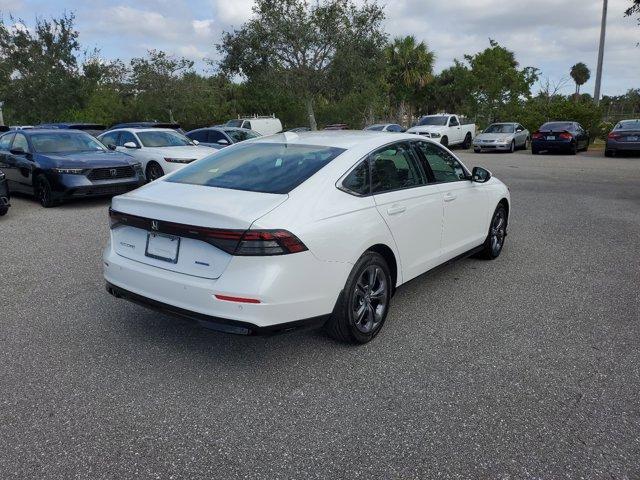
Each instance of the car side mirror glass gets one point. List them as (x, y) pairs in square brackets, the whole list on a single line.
[(195, 142), (17, 151), (130, 145), (480, 175), (223, 141), (519, 130)]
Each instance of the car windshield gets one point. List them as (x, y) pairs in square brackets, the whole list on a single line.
[(500, 128), (163, 139), (65, 142), (241, 135), (557, 126), (377, 128), (628, 125), (234, 123), (434, 120), (258, 167)]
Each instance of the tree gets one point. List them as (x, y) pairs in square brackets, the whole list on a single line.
[(410, 68), (580, 74), (499, 83), (42, 69), (449, 90), (633, 9), (296, 44)]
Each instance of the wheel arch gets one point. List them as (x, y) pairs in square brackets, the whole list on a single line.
[(386, 253), (505, 203)]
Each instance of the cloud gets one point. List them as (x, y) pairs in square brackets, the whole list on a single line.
[(233, 12)]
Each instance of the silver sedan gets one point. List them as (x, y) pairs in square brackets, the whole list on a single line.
[(506, 137)]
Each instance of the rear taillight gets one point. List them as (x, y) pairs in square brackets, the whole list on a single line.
[(613, 136), (566, 136), (234, 242), (536, 135)]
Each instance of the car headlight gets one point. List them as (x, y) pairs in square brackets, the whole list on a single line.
[(178, 160), (69, 171), (435, 135)]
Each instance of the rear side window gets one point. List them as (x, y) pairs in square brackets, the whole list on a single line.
[(261, 167), (110, 138), (5, 141), (199, 135), (394, 168), (358, 180)]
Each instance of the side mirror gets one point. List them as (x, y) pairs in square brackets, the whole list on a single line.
[(17, 151), (130, 145), (480, 175), (223, 141), (195, 142), (111, 146), (518, 130)]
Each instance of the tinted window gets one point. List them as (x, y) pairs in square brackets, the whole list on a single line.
[(126, 137), (394, 128), (5, 141), (199, 135), (109, 138), (628, 125), (163, 139), (500, 128), (394, 168), (377, 128), (258, 167), (358, 180), (453, 122), (215, 135), (557, 126), (65, 142), (434, 120), (241, 135), (247, 125), (20, 141), (234, 123), (444, 166)]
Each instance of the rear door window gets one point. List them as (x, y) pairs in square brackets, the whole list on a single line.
[(394, 168), (5, 141)]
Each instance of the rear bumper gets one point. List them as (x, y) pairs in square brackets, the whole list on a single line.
[(615, 146), (216, 323), (290, 288), (554, 145)]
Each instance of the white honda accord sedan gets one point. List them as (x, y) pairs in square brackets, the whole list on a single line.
[(301, 229)]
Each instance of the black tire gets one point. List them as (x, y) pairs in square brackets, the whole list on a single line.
[(535, 151), (3, 211), (573, 149), (445, 141), (477, 150), (345, 323), (586, 147), (153, 171), (527, 141), (467, 141), (43, 192), (513, 146), (497, 233), (609, 153)]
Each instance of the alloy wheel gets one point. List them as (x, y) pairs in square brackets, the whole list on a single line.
[(498, 231), (370, 299), (154, 172)]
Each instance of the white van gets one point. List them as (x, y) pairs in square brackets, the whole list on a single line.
[(262, 125)]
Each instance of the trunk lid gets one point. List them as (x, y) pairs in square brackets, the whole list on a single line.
[(192, 205)]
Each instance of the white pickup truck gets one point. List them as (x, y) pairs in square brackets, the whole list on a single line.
[(446, 128)]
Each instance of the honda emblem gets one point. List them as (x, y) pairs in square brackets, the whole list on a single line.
[(113, 172)]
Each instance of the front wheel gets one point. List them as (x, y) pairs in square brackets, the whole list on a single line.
[(526, 144), (44, 193), (444, 142), (364, 303), (153, 172), (513, 146), (3, 211), (496, 236)]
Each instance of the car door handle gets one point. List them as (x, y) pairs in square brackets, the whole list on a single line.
[(449, 197), (396, 209)]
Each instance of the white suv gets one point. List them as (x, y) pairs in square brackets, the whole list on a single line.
[(160, 150)]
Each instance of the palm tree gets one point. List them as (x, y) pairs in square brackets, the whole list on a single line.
[(410, 68), (580, 74)]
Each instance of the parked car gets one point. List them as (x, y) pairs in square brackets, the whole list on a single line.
[(337, 126), (385, 127), (220, 137), (262, 125), (625, 137), (447, 129), (4, 194), (299, 129), (159, 150), (284, 231), (4, 128), (567, 137), (506, 137), (56, 165), (153, 124), (94, 129), (21, 127)]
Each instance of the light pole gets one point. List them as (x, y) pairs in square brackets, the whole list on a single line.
[(603, 28)]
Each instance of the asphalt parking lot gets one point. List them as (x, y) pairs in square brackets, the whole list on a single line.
[(525, 367)]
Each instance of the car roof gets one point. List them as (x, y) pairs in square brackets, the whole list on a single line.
[(57, 131), (336, 138), (140, 129)]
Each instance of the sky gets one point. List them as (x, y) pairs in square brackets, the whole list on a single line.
[(551, 35)]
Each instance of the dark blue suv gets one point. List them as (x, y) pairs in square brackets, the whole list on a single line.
[(56, 165)]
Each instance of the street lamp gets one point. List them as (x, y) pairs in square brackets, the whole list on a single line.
[(603, 28)]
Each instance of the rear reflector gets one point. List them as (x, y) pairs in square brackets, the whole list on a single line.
[(566, 136), (536, 135), (234, 242), (227, 298), (613, 136)]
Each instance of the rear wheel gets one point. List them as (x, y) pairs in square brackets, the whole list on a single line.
[(467, 141), (3, 210), (573, 149), (535, 151), (444, 142), (43, 192), (496, 236), (364, 303), (609, 153), (153, 172)]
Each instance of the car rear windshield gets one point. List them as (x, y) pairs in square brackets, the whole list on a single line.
[(241, 135), (557, 126), (163, 139), (500, 128), (377, 128), (628, 125), (435, 120), (258, 167), (65, 142), (234, 123)]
